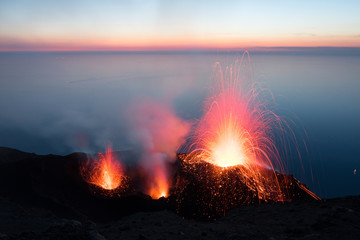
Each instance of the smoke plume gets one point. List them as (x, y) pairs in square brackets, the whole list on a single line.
[(155, 127)]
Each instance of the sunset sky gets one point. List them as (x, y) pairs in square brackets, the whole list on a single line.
[(40, 25)]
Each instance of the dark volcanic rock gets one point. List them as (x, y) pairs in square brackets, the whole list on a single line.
[(44, 197), (203, 190), (55, 182), (198, 191)]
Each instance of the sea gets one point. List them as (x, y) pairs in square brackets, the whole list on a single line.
[(63, 102)]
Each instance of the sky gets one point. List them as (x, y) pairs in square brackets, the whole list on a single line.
[(48, 25)]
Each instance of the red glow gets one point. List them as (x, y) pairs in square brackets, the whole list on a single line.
[(159, 185), (237, 128), (170, 43), (105, 172)]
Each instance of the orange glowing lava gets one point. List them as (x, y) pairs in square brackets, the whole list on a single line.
[(238, 128), (159, 185), (227, 147), (159, 190), (228, 152), (105, 172)]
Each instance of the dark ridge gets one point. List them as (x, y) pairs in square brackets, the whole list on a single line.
[(55, 182)]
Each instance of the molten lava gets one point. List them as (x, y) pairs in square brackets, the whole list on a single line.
[(105, 171), (238, 129), (227, 149), (159, 186)]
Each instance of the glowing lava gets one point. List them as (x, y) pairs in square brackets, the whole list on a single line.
[(227, 148), (159, 187), (238, 129), (105, 171)]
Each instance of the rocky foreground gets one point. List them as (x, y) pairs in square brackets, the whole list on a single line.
[(325, 219), (44, 197)]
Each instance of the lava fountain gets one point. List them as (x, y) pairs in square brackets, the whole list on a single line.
[(239, 130), (159, 184), (105, 171)]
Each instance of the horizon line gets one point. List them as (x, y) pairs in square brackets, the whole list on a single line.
[(264, 50)]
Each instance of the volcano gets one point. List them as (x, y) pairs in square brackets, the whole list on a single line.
[(205, 190), (198, 191)]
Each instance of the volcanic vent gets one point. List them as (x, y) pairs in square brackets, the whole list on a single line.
[(204, 190)]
